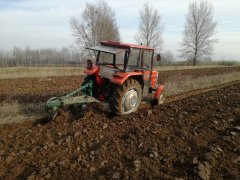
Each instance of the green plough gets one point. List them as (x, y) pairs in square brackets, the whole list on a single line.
[(77, 99)]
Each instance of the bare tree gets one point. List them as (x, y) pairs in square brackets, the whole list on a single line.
[(150, 27), (96, 23), (200, 29)]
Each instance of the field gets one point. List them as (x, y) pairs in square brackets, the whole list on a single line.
[(195, 134)]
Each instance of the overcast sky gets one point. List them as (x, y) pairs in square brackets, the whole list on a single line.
[(45, 23)]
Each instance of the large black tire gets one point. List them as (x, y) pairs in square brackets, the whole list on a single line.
[(126, 98)]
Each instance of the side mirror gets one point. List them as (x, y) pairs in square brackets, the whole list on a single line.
[(89, 64), (158, 57)]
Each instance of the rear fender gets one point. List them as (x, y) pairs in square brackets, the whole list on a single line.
[(94, 70), (159, 91), (94, 74)]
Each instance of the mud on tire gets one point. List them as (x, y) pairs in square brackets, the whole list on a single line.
[(126, 98)]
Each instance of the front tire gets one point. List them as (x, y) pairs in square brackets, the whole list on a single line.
[(159, 101), (126, 98)]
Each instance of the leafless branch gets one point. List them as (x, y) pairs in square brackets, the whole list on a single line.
[(97, 23), (199, 33), (150, 28)]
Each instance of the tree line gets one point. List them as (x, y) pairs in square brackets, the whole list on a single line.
[(97, 23), (40, 57)]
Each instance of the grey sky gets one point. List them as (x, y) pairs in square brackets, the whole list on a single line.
[(45, 23)]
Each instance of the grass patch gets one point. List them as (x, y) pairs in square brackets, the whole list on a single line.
[(182, 84), (172, 68)]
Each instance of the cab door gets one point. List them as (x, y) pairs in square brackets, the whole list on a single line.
[(149, 76)]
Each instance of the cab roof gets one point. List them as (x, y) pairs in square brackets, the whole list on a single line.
[(125, 45), (108, 49)]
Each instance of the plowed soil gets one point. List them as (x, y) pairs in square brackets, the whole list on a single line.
[(196, 137)]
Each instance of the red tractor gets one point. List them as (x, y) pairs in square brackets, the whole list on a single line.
[(122, 76)]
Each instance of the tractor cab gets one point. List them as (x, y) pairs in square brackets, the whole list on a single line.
[(115, 60), (125, 57)]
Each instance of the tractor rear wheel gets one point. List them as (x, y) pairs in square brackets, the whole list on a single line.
[(126, 98)]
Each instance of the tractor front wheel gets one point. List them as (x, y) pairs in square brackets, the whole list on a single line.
[(126, 98), (160, 100)]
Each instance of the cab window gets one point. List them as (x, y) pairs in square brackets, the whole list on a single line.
[(147, 59), (134, 58)]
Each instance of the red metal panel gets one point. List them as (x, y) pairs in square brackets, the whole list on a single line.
[(154, 77), (159, 91), (99, 80)]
